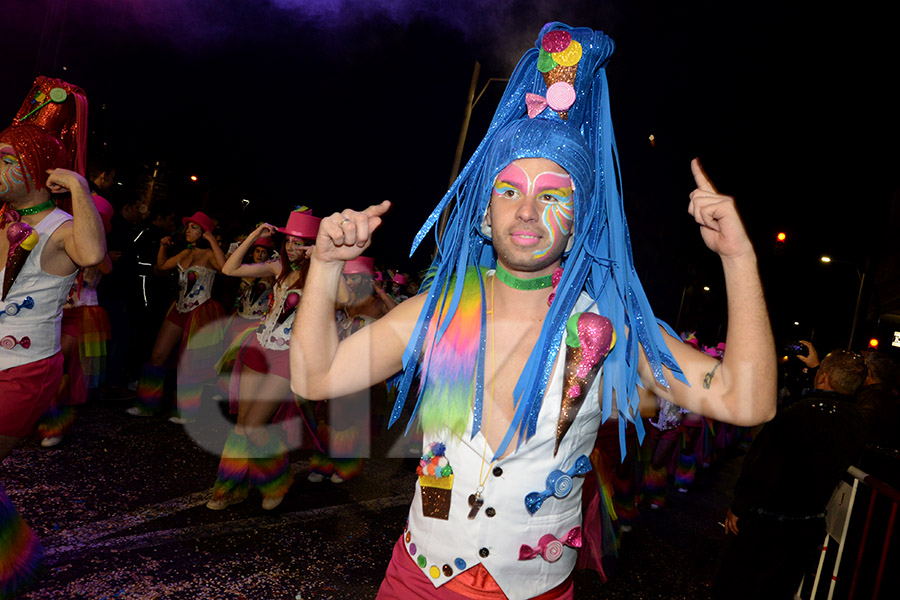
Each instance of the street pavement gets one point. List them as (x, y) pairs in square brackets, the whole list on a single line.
[(119, 507)]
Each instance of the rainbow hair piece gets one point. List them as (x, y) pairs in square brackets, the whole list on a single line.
[(599, 261), (20, 550)]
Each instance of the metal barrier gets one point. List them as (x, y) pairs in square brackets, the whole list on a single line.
[(840, 511)]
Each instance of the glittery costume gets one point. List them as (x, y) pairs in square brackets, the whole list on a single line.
[(86, 321), (555, 107), (200, 318)]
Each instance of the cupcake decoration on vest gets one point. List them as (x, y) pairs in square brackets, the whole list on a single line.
[(436, 480), (22, 240), (589, 339), (558, 63)]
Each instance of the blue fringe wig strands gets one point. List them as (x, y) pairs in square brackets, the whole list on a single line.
[(598, 261)]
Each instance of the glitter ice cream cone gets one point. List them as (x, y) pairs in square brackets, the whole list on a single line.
[(589, 339), (558, 62), (22, 240)]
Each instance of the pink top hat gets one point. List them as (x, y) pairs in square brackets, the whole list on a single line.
[(201, 220), (399, 279), (362, 265), (301, 225), (264, 241)]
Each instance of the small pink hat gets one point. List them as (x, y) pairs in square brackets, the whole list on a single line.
[(399, 279), (362, 264), (264, 241), (301, 224), (201, 220)]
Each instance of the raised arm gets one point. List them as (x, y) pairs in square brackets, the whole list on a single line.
[(234, 266), (86, 245), (322, 367), (742, 389), (163, 262), (218, 257)]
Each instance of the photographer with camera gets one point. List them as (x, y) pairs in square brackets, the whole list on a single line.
[(799, 372)]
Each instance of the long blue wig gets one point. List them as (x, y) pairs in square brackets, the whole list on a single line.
[(598, 261)]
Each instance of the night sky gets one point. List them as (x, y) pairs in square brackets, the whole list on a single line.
[(334, 104)]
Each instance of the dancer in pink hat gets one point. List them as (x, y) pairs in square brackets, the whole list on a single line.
[(260, 388), (193, 323)]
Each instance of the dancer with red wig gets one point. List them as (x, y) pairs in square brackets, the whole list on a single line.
[(41, 165)]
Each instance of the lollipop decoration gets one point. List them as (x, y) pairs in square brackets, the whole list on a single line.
[(57, 95), (22, 240), (13, 308)]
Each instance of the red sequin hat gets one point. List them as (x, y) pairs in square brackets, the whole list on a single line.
[(50, 129)]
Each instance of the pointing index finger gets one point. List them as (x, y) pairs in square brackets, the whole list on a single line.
[(701, 178), (376, 210)]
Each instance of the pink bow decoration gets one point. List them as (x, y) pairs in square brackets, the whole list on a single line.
[(535, 104), (550, 548)]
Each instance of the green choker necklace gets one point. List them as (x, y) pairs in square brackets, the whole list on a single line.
[(296, 266), (538, 283), (33, 210)]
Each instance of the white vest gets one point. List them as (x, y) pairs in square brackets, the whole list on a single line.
[(454, 545), (42, 323)]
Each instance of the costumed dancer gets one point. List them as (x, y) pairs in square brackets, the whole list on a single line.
[(343, 423), (42, 246), (254, 454), (659, 450), (85, 333), (509, 398), (194, 324)]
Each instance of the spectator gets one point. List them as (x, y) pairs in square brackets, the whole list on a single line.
[(789, 474)]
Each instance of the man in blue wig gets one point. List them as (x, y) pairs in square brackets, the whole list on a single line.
[(535, 262)]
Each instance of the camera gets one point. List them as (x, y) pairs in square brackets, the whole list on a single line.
[(796, 348)]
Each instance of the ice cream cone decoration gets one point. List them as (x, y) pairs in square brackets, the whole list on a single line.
[(22, 240), (558, 63), (589, 339)]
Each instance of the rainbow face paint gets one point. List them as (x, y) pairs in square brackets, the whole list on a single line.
[(294, 248), (11, 174), (556, 192)]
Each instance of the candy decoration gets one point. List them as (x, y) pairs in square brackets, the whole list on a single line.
[(559, 484), (22, 240), (535, 104), (545, 62), (9, 342), (561, 96), (550, 548), (12, 309), (589, 340), (57, 96)]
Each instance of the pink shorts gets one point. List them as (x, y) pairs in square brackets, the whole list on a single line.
[(25, 393)]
